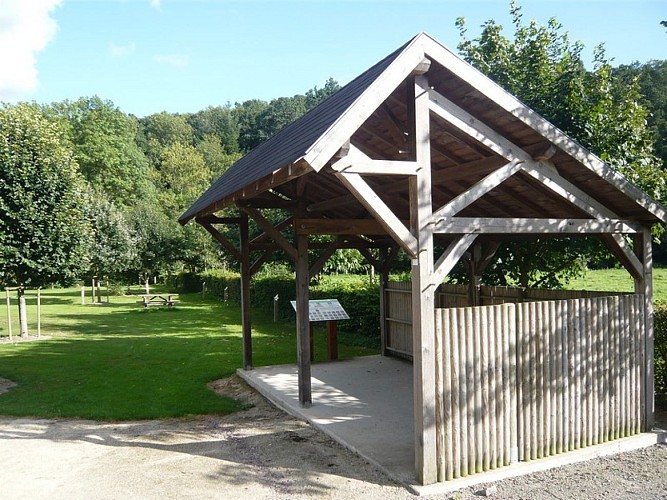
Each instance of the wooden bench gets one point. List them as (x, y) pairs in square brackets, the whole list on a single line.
[(158, 299)]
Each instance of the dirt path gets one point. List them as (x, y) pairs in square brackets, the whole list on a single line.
[(261, 453)]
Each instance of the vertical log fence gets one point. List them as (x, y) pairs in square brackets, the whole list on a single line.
[(523, 380)]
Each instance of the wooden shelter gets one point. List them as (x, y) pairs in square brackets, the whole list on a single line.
[(422, 152)]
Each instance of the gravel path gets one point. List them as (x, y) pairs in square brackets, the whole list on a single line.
[(261, 453)]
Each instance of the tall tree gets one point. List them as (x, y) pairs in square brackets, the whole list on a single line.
[(43, 230), (543, 68), (105, 147), (161, 130)]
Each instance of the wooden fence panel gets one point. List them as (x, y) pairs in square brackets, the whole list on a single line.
[(531, 380)]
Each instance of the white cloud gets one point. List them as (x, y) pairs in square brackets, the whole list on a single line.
[(176, 60), (155, 4), (25, 29), (121, 50)]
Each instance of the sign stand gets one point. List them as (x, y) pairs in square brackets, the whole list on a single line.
[(328, 310)]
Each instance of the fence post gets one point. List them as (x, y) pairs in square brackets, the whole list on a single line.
[(9, 314), (39, 313)]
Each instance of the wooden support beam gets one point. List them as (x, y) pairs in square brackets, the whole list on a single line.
[(339, 226), (475, 128), (226, 244), (644, 250), (625, 254), (278, 227), (214, 219), (338, 201), (376, 167), (565, 189), (324, 256), (245, 293), (256, 266), (423, 291), (491, 181), (302, 322), (269, 229), (382, 213), (496, 225), (450, 257)]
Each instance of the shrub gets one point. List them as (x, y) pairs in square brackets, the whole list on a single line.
[(359, 298)]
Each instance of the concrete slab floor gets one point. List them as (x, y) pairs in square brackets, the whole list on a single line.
[(363, 403), (366, 404)]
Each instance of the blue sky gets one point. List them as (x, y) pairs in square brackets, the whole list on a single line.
[(184, 55)]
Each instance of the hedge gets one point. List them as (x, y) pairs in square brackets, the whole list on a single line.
[(359, 298), (361, 301)]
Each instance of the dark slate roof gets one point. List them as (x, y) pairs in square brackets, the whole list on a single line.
[(290, 143)]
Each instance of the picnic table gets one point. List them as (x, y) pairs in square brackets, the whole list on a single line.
[(158, 299)]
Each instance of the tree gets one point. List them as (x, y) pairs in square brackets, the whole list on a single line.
[(104, 140), (161, 130), (183, 177), (113, 249), (43, 230), (217, 121), (546, 71)]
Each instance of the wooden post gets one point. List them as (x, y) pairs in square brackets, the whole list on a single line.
[(423, 290), (332, 341), (83, 295), (245, 291), (23, 313), (384, 279), (9, 314), (39, 313), (644, 286), (302, 322), (311, 334)]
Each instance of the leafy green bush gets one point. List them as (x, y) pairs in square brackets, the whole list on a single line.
[(359, 298), (660, 349)]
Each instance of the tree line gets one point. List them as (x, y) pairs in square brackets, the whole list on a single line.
[(89, 190)]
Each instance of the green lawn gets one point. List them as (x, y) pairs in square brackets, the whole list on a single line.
[(619, 280), (118, 361)]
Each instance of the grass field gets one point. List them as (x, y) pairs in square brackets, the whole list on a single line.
[(619, 280), (118, 361)]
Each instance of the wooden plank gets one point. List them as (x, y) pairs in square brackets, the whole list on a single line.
[(471, 389), (246, 326), (518, 225), (440, 396), (382, 213), (457, 380), (269, 229), (511, 385), (468, 197)]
